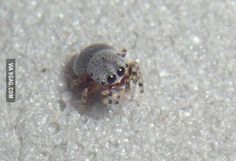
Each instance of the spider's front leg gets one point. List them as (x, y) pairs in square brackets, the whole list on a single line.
[(112, 96), (87, 92)]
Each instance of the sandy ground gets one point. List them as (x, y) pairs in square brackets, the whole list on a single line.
[(187, 54)]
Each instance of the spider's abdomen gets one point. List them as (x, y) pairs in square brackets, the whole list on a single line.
[(82, 60)]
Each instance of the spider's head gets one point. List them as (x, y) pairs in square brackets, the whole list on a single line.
[(107, 68)]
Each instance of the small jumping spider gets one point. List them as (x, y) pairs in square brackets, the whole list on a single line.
[(105, 69)]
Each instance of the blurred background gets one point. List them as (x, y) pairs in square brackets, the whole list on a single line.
[(187, 54)]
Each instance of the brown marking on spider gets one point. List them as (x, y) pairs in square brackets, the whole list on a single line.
[(105, 70)]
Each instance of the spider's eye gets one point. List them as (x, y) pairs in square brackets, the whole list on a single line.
[(111, 78), (120, 71)]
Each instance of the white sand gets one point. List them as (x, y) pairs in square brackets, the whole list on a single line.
[(187, 53)]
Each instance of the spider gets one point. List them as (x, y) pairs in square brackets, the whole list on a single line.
[(103, 68)]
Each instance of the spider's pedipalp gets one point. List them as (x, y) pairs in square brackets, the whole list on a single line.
[(112, 96)]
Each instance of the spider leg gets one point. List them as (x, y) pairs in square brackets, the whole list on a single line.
[(84, 97), (123, 52), (86, 92), (128, 84), (112, 96), (136, 77), (77, 82)]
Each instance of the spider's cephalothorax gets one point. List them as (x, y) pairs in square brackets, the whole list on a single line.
[(106, 69)]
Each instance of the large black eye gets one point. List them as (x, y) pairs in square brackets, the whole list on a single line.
[(120, 71), (111, 78)]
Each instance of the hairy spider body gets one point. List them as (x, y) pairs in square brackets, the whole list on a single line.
[(105, 69)]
